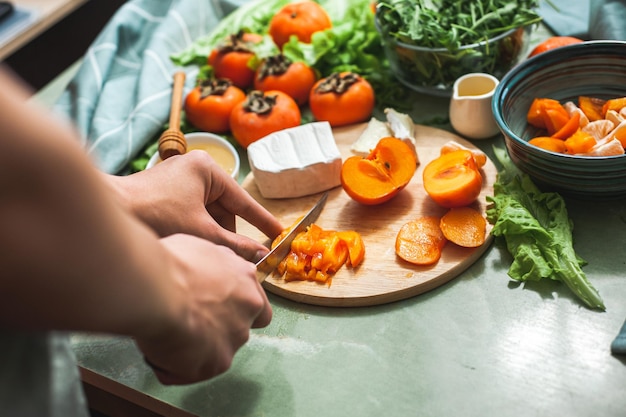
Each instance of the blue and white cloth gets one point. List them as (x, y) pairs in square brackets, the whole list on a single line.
[(120, 97)]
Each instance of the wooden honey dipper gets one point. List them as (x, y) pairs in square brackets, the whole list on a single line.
[(172, 141)]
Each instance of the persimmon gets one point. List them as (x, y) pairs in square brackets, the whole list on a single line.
[(592, 107), (579, 143), (262, 113), (553, 43), (555, 118), (342, 99), (569, 128), (616, 104), (464, 226), (208, 105), (453, 179), (317, 254), (379, 176), (549, 143), (232, 58), (547, 113), (300, 19), (280, 73), (420, 241), (479, 156)]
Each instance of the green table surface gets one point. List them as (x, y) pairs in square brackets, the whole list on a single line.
[(480, 345)]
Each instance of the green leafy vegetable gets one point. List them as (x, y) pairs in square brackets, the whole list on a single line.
[(538, 232), (352, 44), (450, 23), (431, 43)]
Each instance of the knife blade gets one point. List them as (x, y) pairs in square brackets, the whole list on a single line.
[(270, 261)]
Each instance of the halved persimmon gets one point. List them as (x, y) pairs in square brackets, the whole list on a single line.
[(378, 177), (479, 156), (464, 226), (420, 241), (453, 179)]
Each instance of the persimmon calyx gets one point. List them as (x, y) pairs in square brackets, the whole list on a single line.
[(274, 65), (235, 43), (259, 103), (214, 87), (337, 83)]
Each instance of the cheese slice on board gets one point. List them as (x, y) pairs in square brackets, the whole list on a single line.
[(295, 162), (368, 139)]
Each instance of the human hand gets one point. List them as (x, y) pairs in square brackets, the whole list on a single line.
[(222, 300), (191, 194)]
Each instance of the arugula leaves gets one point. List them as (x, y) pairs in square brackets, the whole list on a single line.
[(537, 231), (451, 24)]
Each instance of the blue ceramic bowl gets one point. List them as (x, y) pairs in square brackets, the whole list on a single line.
[(595, 68)]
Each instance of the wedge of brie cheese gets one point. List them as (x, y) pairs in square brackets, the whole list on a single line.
[(374, 131), (398, 125), (296, 162)]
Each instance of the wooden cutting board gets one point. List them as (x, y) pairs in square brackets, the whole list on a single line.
[(382, 277)]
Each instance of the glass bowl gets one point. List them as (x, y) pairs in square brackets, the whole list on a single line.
[(433, 71)]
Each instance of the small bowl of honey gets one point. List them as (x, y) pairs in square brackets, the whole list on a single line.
[(221, 150)]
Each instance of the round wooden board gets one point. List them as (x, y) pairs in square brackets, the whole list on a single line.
[(382, 277)]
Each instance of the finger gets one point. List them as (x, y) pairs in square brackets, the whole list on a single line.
[(164, 376), (265, 316), (236, 200)]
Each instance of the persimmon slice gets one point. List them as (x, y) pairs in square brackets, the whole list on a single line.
[(464, 226), (378, 177), (453, 179), (420, 241)]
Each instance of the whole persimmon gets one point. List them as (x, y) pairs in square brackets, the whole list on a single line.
[(553, 43), (382, 174), (231, 59), (453, 179), (342, 99), (300, 19), (262, 113), (209, 104), (279, 73)]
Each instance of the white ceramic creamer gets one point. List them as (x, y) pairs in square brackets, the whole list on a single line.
[(470, 106)]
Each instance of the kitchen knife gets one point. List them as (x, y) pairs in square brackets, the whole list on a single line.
[(270, 261)]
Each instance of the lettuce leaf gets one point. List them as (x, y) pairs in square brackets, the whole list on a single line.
[(537, 231), (352, 44)]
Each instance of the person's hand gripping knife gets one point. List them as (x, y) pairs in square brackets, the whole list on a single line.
[(76, 256)]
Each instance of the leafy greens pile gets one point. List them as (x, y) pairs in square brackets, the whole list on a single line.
[(451, 24), (538, 232), (352, 44)]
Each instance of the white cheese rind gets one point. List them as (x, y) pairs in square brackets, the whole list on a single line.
[(374, 131), (296, 162)]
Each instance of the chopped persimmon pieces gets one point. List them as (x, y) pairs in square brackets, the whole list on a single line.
[(569, 128), (585, 130), (549, 144), (464, 226), (579, 142), (317, 254), (615, 104), (420, 241), (592, 107)]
